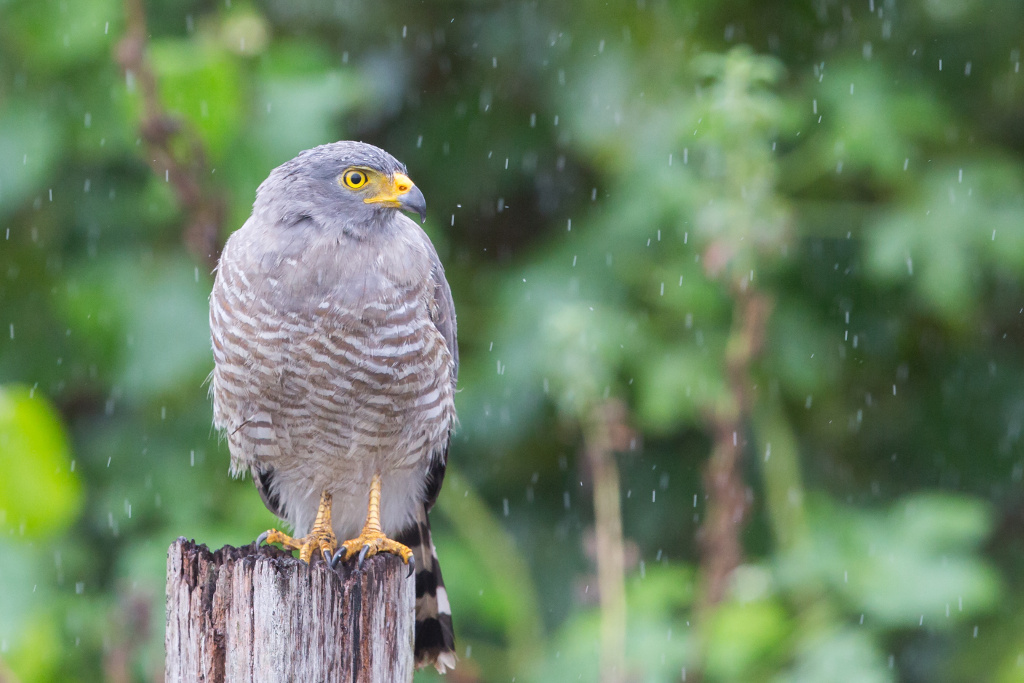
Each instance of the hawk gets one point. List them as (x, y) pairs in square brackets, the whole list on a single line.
[(335, 352)]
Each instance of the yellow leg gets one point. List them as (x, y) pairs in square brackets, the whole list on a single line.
[(320, 537), (371, 539)]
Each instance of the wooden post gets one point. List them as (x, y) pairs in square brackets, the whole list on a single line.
[(258, 614)]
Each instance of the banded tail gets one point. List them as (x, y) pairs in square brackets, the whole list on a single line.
[(435, 638)]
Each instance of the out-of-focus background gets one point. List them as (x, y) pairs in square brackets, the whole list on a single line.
[(740, 290)]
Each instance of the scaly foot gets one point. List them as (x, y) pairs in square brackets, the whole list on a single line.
[(368, 544), (371, 539), (321, 537)]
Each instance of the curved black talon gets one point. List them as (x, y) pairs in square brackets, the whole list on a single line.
[(412, 565), (262, 538), (338, 557), (362, 554), (327, 558)]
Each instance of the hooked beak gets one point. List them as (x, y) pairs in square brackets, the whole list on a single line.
[(413, 200), (403, 194)]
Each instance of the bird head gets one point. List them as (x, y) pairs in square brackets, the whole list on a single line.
[(351, 184)]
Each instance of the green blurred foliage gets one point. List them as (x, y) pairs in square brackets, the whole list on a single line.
[(601, 178), (28, 424)]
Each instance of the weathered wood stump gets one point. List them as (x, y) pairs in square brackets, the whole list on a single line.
[(258, 614)]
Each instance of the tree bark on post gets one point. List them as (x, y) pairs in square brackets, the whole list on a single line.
[(258, 614)]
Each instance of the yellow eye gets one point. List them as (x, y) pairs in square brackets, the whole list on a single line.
[(354, 179)]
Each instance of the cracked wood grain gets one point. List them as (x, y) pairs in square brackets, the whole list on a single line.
[(258, 614)]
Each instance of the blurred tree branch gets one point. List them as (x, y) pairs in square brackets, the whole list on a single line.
[(727, 493), (607, 432), (204, 207), (747, 216), (131, 627)]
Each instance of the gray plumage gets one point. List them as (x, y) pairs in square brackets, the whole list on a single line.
[(334, 339)]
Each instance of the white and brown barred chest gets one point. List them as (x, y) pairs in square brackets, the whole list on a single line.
[(324, 392)]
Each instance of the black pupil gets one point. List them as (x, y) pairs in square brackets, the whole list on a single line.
[(355, 178)]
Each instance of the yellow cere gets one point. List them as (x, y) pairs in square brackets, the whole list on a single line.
[(390, 189)]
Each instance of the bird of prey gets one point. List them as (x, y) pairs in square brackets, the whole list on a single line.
[(333, 332)]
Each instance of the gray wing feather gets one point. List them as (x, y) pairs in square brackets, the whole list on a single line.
[(443, 313), (443, 317)]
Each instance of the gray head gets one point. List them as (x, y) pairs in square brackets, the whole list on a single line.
[(350, 186)]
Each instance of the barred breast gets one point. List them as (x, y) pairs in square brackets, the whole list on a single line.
[(329, 369)]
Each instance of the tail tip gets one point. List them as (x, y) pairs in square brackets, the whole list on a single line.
[(435, 643), (445, 661)]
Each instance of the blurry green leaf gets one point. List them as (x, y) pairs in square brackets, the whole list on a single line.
[(949, 11), (29, 145), (573, 654), (157, 201), (845, 655), (967, 219), (801, 350), (738, 116), (244, 31), (37, 656), (677, 386), (915, 564), (943, 522), (658, 637), (582, 353), (1011, 669), (300, 112), (745, 638), (738, 90), (780, 467), (606, 89), (656, 649), (152, 314), (168, 333), (40, 494), (867, 121), (662, 592), (203, 84), (52, 34), (301, 98), (18, 569)]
